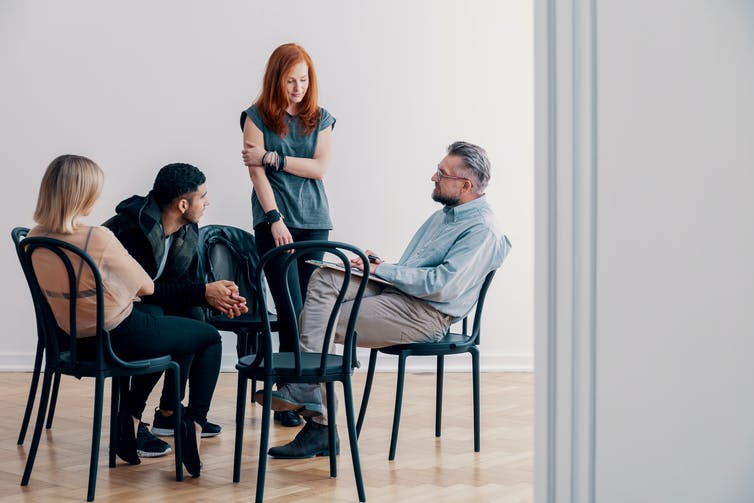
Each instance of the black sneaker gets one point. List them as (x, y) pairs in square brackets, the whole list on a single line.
[(163, 426), (149, 446), (211, 430)]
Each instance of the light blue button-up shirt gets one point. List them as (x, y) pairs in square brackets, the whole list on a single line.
[(449, 256)]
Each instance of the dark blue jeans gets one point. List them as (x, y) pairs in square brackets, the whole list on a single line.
[(195, 345), (298, 279)]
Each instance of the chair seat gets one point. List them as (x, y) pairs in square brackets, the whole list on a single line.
[(451, 343), (245, 321), (284, 365), (89, 368)]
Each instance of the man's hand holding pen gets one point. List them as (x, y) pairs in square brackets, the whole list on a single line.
[(374, 261)]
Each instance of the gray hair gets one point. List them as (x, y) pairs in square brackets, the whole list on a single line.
[(475, 160)]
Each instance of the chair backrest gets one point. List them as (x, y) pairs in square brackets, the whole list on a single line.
[(476, 327), (59, 343), (230, 253), (337, 253), (17, 234)]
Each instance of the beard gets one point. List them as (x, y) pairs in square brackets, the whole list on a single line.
[(192, 217), (445, 200)]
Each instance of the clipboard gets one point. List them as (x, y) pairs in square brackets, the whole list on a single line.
[(354, 272)]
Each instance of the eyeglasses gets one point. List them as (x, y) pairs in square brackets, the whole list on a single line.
[(441, 175)]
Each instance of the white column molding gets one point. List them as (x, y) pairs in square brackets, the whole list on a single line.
[(565, 184)]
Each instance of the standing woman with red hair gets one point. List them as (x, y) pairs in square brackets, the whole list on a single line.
[(287, 138)]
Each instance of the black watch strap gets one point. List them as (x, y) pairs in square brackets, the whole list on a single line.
[(272, 216)]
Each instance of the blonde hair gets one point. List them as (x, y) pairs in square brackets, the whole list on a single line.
[(70, 186)]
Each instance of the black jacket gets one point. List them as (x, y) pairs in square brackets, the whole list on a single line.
[(138, 226)]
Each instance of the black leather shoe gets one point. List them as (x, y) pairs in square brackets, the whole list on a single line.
[(190, 450), (311, 441), (127, 439), (287, 418)]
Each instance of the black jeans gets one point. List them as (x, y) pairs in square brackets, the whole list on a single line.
[(195, 345), (298, 279), (167, 399)]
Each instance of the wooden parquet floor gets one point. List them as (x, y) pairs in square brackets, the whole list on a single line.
[(426, 469)]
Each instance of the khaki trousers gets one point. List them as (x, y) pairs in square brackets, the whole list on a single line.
[(386, 317)]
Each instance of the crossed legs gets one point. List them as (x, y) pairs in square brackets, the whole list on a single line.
[(386, 317)]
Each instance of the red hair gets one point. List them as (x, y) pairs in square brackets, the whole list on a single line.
[(273, 100)]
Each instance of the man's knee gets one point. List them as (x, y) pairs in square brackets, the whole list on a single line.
[(322, 275), (213, 334), (205, 333), (322, 283)]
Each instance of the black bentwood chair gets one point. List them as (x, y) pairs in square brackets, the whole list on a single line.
[(61, 351), (230, 253), (451, 344), (302, 367), (18, 234)]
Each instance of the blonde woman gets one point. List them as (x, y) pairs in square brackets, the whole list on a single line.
[(70, 187)]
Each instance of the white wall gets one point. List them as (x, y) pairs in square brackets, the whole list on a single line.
[(676, 276), (648, 346), (136, 85)]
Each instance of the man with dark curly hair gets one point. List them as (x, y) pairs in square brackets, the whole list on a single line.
[(160, 230)]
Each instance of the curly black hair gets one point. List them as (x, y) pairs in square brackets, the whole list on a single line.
[(175, 180)]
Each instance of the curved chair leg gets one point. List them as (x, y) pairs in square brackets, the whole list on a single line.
[(264, 439), (43, 400), (240, 417), (242, 343), (475, 376), (178, 417), (53, 400), (367, 391), (114, 408), (353, 437), (32, 393), (253, 344), (245, 345), (99, 396), (438, 394), (331, 415), (398, 404)]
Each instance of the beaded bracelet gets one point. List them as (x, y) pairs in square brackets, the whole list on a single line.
[(270, 166)]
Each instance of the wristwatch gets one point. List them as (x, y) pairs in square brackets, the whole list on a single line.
[(272, 216)]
